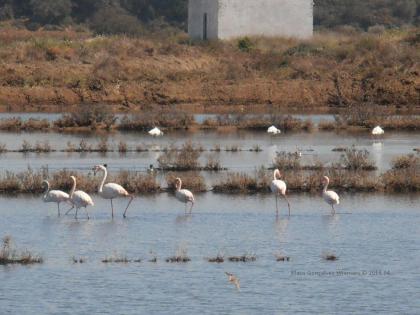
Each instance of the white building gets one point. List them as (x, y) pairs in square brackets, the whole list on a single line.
[(224, 19)]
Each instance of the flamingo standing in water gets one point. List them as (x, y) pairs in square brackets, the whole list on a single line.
[(56, 196), (278, 187), (183, 195), (79, 199), (111, 190), (329, 196), (378, 131)]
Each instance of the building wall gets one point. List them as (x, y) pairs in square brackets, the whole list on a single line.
[(235, 18), (196, 11)]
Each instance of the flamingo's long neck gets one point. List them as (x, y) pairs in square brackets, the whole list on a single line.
[(47, 189), (178, 185), (276, 174), (325, 186), (103, 180), (73, 188)]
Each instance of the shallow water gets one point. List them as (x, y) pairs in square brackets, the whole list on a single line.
[(199, 118), (314, 146), (380, 235)]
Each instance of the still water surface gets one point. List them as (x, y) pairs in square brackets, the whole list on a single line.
[(373, 234), (314, 146)]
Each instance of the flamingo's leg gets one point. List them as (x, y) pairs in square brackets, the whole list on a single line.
[(112, 209), (288, 203), (58, 208), (125, 211), (333, 210), (87, 212), (277, 207), (186, 206), (192, 205), (75, 216), (72, 207)]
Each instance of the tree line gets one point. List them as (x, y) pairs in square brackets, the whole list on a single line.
[(132, 16)]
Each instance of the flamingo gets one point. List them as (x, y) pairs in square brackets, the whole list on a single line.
[(79, 199), (278, 187), (111, 190), (329, 196), (234, 280), (156, 132), (183, 195), (378, 131), (273, 130), (56, 196)]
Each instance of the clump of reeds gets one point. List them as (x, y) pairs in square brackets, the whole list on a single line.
[(141, 148), (122, 147), (330, 257), (93, 117), (33, 124), (355, 160), (3, 148), (42, 147), (406, 161), (328, 125), (282, 258), (84, 146), (256, 148), (71, 147), (102, 146), (243, 183), (119, 260), (26, 146), (213, 163), (218, 259), (78, 260), (168, 119), (243, 258), (404, 175), (233, 148), (216, 148), (287, 161), (17, 124), (9, 255), (183, 159), (181, 256), (136, 182)]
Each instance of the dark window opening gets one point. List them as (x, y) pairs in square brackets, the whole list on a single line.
[(205, 26)]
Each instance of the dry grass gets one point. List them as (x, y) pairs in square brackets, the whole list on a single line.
[(183, 159), (243, 183), (17, 124), (243, 258), (329, 257), (9, 255), (167, 119), (406, 162), (92, 117), (118, 259), (218, 259), (30, 181), (47, 70), (181, 256), (356, 160), (404, 175), (282, 258), (78, 260)]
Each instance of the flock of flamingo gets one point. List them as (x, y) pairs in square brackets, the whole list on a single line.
[(80, 199)]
